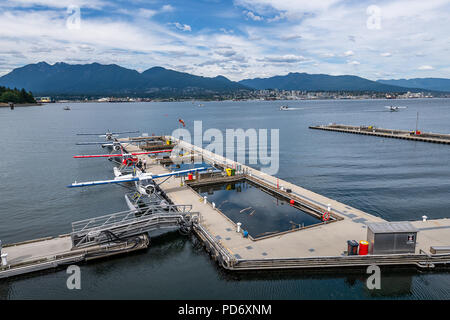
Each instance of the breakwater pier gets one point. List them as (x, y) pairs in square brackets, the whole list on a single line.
[(414, 135)]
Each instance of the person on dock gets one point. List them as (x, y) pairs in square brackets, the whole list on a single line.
[(144, 163)]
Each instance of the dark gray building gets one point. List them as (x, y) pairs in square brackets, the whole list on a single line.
[(391, 237)]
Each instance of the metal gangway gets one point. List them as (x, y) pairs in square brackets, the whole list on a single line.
[(125, 224)]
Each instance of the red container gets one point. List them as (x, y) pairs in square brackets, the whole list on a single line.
[(363, 248), (190, 176)]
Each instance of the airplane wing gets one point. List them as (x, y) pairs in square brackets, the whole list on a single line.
[(110, 144), (119, 155), (150, 152), (104, 133), (144, 176), (92, 143), (97, 183), (174, 173), (90, 134), (123, 132)]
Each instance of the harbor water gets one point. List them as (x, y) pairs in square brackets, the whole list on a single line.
[(395, 179)]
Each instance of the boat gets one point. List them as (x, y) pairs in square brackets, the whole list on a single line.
[(284, 108), (66, 108)]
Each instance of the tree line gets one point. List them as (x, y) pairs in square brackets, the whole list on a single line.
[(16, 96)]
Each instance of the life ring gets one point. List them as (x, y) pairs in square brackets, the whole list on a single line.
[(326, 216), (129, 161)]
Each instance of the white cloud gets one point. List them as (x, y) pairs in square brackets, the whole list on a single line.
[(252, 16), (348, 53), (288, 58), (167, 8), (183, 27), (146, 13), (290, 37), (425, 67), (328, 30), (278, 17), (58, 3), (289, 5)]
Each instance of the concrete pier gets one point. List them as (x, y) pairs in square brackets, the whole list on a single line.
[(317, 246), (320, 246), (387, 133)]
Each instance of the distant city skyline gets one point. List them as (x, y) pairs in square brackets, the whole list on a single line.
[(238, 39)]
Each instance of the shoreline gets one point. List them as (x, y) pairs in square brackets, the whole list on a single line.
[(244, 100), (6, 105)]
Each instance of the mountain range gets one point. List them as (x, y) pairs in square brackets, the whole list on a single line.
[(438, 84), (320, 82), (99, 79)]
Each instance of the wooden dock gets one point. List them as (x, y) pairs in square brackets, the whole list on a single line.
[(387, 133)]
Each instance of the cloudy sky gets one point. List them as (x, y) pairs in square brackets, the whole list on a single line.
[(235, 38)]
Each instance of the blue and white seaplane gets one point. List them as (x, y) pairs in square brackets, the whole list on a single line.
[(139, 177), (147, 190)]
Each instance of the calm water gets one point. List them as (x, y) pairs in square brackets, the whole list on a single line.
[(259, 212), (394, 179)]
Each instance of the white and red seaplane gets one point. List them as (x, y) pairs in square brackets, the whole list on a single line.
[(128, 160)]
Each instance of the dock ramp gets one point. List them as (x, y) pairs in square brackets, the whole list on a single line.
[(125, 224)]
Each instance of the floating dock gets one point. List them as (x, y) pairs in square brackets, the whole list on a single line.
[(387, 133), (321, 245)]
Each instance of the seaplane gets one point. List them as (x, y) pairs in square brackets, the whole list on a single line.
[(108, 135), (138, 177), (128, 160), (147, 190), (394, 108), (116, 145)]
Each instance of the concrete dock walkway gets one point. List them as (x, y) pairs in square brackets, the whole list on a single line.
[(327, 240)]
